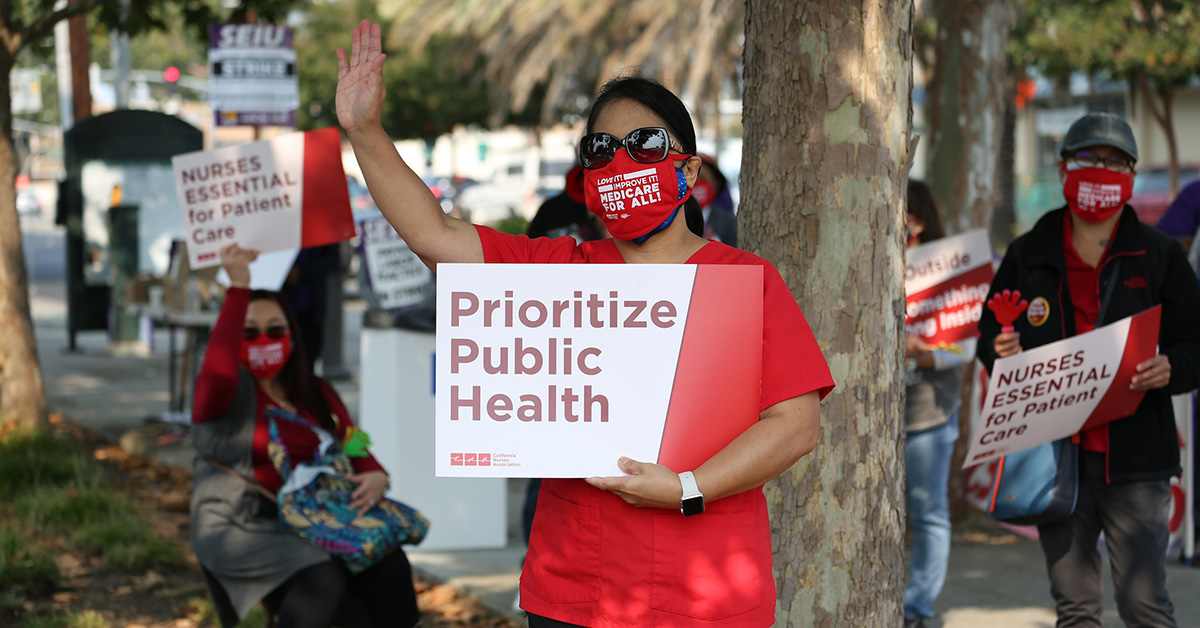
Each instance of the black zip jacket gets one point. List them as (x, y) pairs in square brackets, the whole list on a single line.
[(1154, 270)]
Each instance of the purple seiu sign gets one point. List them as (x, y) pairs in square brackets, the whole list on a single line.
[(254, 78)]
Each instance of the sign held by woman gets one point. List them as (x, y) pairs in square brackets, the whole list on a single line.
[(558, 370)]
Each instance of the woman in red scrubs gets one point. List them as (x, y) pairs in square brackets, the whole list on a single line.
[(624, 551)]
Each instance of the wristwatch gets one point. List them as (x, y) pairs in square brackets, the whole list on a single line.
[(692, 502)]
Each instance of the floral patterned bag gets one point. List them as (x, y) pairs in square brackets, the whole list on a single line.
[(315, 503)]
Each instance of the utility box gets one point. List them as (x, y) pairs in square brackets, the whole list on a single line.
[(122, 161)]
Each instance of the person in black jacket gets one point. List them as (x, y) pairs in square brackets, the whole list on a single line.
[(1064, 266)]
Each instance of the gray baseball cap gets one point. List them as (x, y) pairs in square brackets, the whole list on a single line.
[(1100, 129)]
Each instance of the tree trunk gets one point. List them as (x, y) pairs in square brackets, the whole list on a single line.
[(22, 396), (1166, 121), (828, 114), (1004, 220), (966, 109)]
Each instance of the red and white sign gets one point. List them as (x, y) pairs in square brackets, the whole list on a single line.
[(946, 282), (558, 370), (1059, 389), (284, 193)]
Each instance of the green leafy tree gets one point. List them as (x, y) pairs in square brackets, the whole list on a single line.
[(24, 23), (1154, 44), (429, 90), (559, 52)]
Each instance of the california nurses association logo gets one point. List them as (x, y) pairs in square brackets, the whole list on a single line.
[(1038, 312)]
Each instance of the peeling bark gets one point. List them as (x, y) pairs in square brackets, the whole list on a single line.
[(828, 115)]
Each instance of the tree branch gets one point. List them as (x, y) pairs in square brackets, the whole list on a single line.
[(43, 25), (1151, 104)]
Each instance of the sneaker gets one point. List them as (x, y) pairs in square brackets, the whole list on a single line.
[(914, 622)]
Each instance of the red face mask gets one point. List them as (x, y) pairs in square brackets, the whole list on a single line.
[(575, 184), (704, 192), (1095, 194), (632, 198), (264, 356)]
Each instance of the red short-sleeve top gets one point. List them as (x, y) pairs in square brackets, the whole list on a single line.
[(596, 561)]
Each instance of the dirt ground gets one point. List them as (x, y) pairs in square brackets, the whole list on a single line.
[(167, 598)]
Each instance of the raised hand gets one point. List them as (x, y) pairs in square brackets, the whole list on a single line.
[(236, 262), (360, 90), (1007, 306)]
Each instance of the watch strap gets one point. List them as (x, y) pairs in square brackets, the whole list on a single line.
[(692, 501)]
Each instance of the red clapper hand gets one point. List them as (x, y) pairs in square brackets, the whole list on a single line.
[(1007, 306)]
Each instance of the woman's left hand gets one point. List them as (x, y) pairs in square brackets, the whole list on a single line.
[(648, 485), (371, 487), (1151, 374)]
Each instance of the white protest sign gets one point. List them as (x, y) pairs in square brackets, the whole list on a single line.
[(1056, 390), (268, 272), (398, 277), (254, 77), (288, 192), (248, 194), (548, 370), (946, 282)]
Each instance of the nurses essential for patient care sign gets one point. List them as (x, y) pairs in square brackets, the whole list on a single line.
[(558, 370), (1056, 390), (284, 193)]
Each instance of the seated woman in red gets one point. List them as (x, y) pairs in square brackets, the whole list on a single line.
[(254, 363), (622, 551)]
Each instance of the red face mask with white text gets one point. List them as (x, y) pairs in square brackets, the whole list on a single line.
[(633, 199), (264, 356), (1095, 194)]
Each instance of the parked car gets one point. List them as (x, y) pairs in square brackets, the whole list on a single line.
[(1151, 190), (27, 203), (448, 190)]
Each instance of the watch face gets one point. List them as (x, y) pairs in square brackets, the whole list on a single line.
[(692, 506)]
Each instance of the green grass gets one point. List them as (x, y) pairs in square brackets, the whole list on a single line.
[(83, 619), (54, 490), (62, 508), (26, 569), (126, 542), (39, 459)]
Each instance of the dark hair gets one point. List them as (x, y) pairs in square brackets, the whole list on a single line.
[(658, 99), (922, 206), (711, 164), (298, 379)]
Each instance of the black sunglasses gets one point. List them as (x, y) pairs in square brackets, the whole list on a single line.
[(646, 145), (274, 332)]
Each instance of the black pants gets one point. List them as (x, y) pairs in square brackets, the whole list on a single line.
[(537, 621), (1134, 519), (314, 596)]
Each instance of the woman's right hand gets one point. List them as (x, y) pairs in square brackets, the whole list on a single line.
[(236, 262), (1007, 343), (359, 100)]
